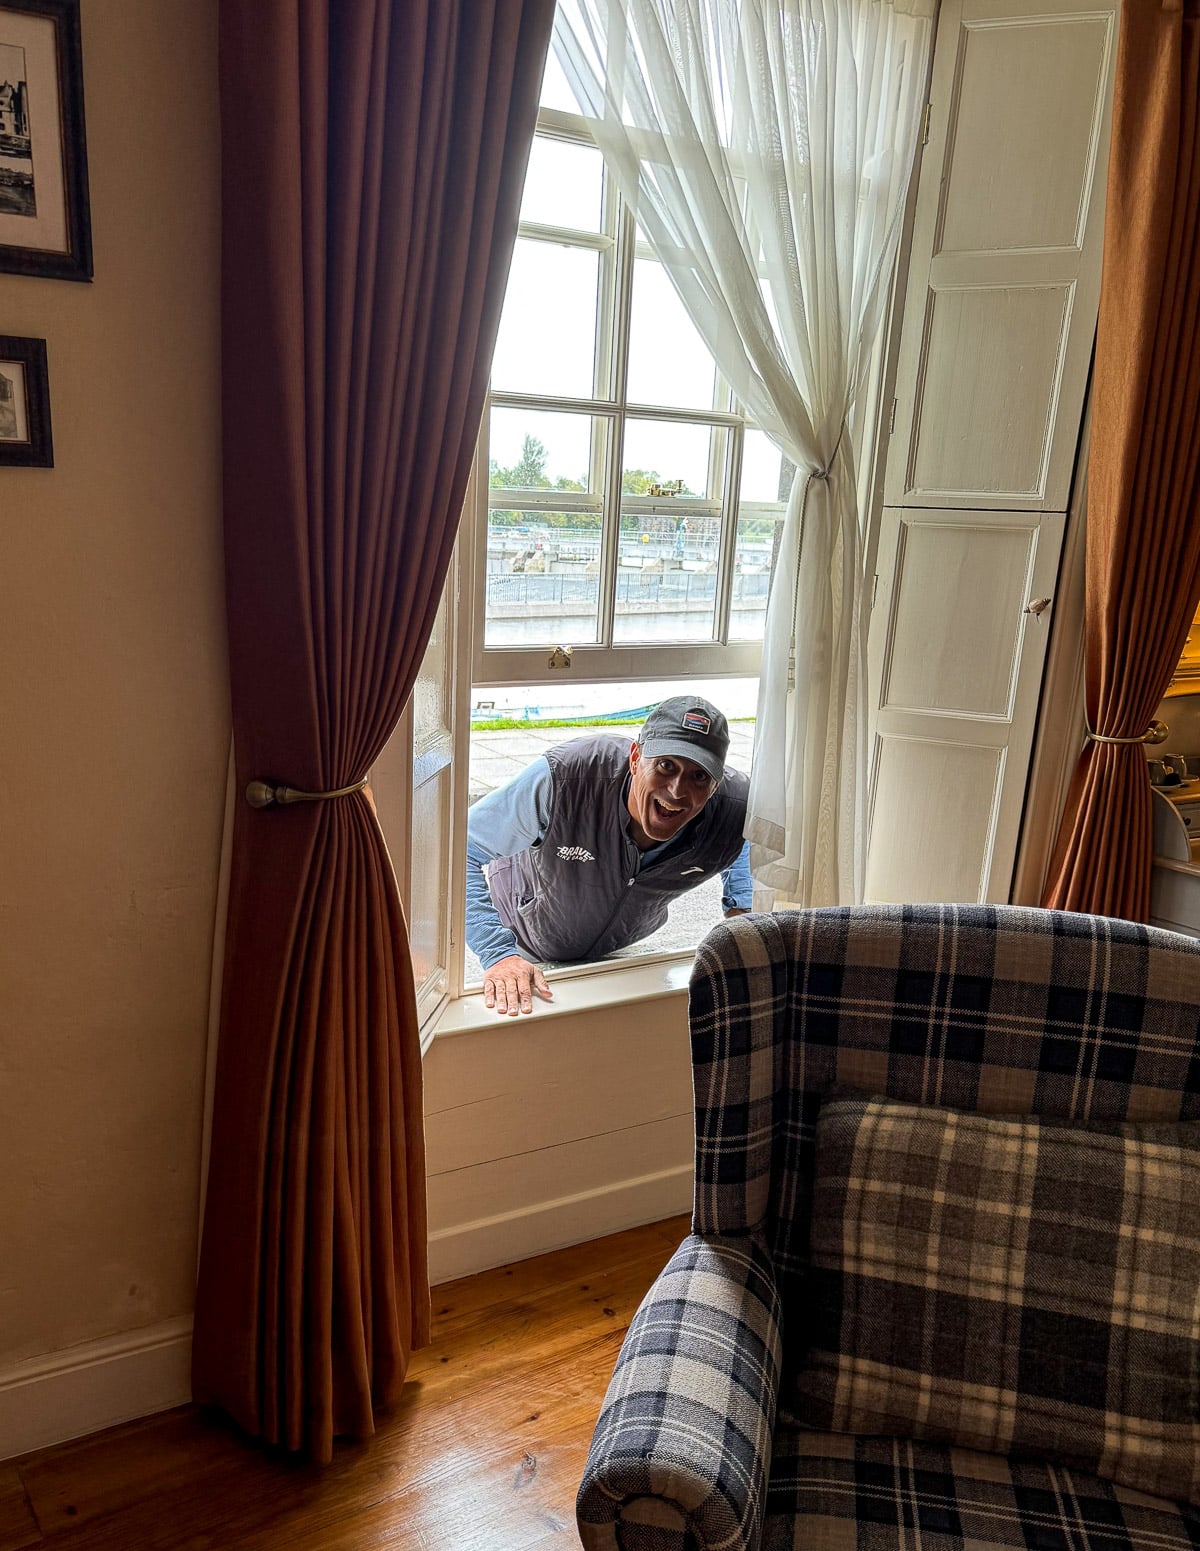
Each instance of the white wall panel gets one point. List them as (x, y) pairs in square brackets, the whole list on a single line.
[(1035, 86), (935, 819), (1004, 274), (556, 1128), (986, 409), (958, 595)]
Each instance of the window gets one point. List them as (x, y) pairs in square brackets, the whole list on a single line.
[(618, 540), (628, 511), (625, 515), (623, 518)]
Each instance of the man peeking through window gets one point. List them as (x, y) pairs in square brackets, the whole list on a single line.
[(581, 853)]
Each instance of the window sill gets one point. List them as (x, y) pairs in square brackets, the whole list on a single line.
[(573, 993)]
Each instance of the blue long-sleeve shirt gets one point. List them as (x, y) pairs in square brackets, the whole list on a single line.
[(509, 820)]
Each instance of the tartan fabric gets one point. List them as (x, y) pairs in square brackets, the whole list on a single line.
[(680, 1453), (998, 1010), (834, 1492), (1008, 1285)]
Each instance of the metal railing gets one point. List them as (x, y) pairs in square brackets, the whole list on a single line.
[(637, 591)]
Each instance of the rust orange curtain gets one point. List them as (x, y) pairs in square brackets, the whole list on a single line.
[(1143, 540), (373, 157)]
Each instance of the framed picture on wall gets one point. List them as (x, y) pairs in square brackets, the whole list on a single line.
[(24, 403), (45, 222)]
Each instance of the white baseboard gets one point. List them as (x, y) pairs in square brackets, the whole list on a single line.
[(97, 1384), (465, 1248), (85, 1388)]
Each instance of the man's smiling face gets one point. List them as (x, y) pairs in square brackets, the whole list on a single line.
[(665, 792)]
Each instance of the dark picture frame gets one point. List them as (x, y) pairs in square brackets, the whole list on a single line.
[(45, 218), (25, 439)]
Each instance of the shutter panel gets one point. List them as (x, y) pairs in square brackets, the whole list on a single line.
[(414, 785), (996, 337)]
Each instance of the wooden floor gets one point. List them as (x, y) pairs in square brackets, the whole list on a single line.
[(484, 1453)]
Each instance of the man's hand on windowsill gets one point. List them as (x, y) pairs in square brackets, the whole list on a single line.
[(511, 984), (736, 911)]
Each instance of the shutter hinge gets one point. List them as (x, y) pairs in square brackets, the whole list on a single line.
[(874, 588), (925, 118), (892, 420)]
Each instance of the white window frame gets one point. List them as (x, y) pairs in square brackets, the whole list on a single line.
[(592, 662)]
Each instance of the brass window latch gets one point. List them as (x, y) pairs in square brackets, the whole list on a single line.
[(674, 487), (560, 657)]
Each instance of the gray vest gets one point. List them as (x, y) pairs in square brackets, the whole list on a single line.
[(578, 893)]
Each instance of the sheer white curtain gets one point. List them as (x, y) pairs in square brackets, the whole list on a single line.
[(766, 147)]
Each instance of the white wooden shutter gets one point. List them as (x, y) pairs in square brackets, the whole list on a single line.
[(432, 815), (996, 339), (414, 785)]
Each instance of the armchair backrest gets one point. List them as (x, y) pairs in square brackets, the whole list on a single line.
[(998, 1009)]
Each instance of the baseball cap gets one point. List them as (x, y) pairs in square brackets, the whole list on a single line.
[(687, 727)]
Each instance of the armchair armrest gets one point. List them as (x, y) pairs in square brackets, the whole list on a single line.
[(682, 1448)]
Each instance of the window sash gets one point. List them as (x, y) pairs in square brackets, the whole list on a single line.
[(716, 656)]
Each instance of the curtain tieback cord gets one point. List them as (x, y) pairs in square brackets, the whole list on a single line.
[(1157, 732), (261, 794)]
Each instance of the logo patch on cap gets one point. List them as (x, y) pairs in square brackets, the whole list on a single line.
[(696, 721)]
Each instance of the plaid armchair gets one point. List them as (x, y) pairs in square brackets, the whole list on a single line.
[(1000, 1010)]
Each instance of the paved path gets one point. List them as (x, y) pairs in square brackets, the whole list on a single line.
[(498, 756)]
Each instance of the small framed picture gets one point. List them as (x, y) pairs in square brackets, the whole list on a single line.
[(24, 403), (45, 221)]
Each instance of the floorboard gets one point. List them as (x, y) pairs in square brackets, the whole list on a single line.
[(483, 1453), (18, 1527)]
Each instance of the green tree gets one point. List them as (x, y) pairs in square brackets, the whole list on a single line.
[(568, 519), (529, 471)]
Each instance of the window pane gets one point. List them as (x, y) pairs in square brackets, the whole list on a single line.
[(543, 556), (669, 364), (666, 577), (753, 560), (766, 473), (543, 449), (547, 340), (663, 451), (564, 185), (556, 93), (543, 578)]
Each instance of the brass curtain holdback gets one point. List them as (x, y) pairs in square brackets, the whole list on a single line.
[(261, 794), (1157, 732)]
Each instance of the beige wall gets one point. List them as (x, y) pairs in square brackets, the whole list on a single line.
[(114, 721)]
